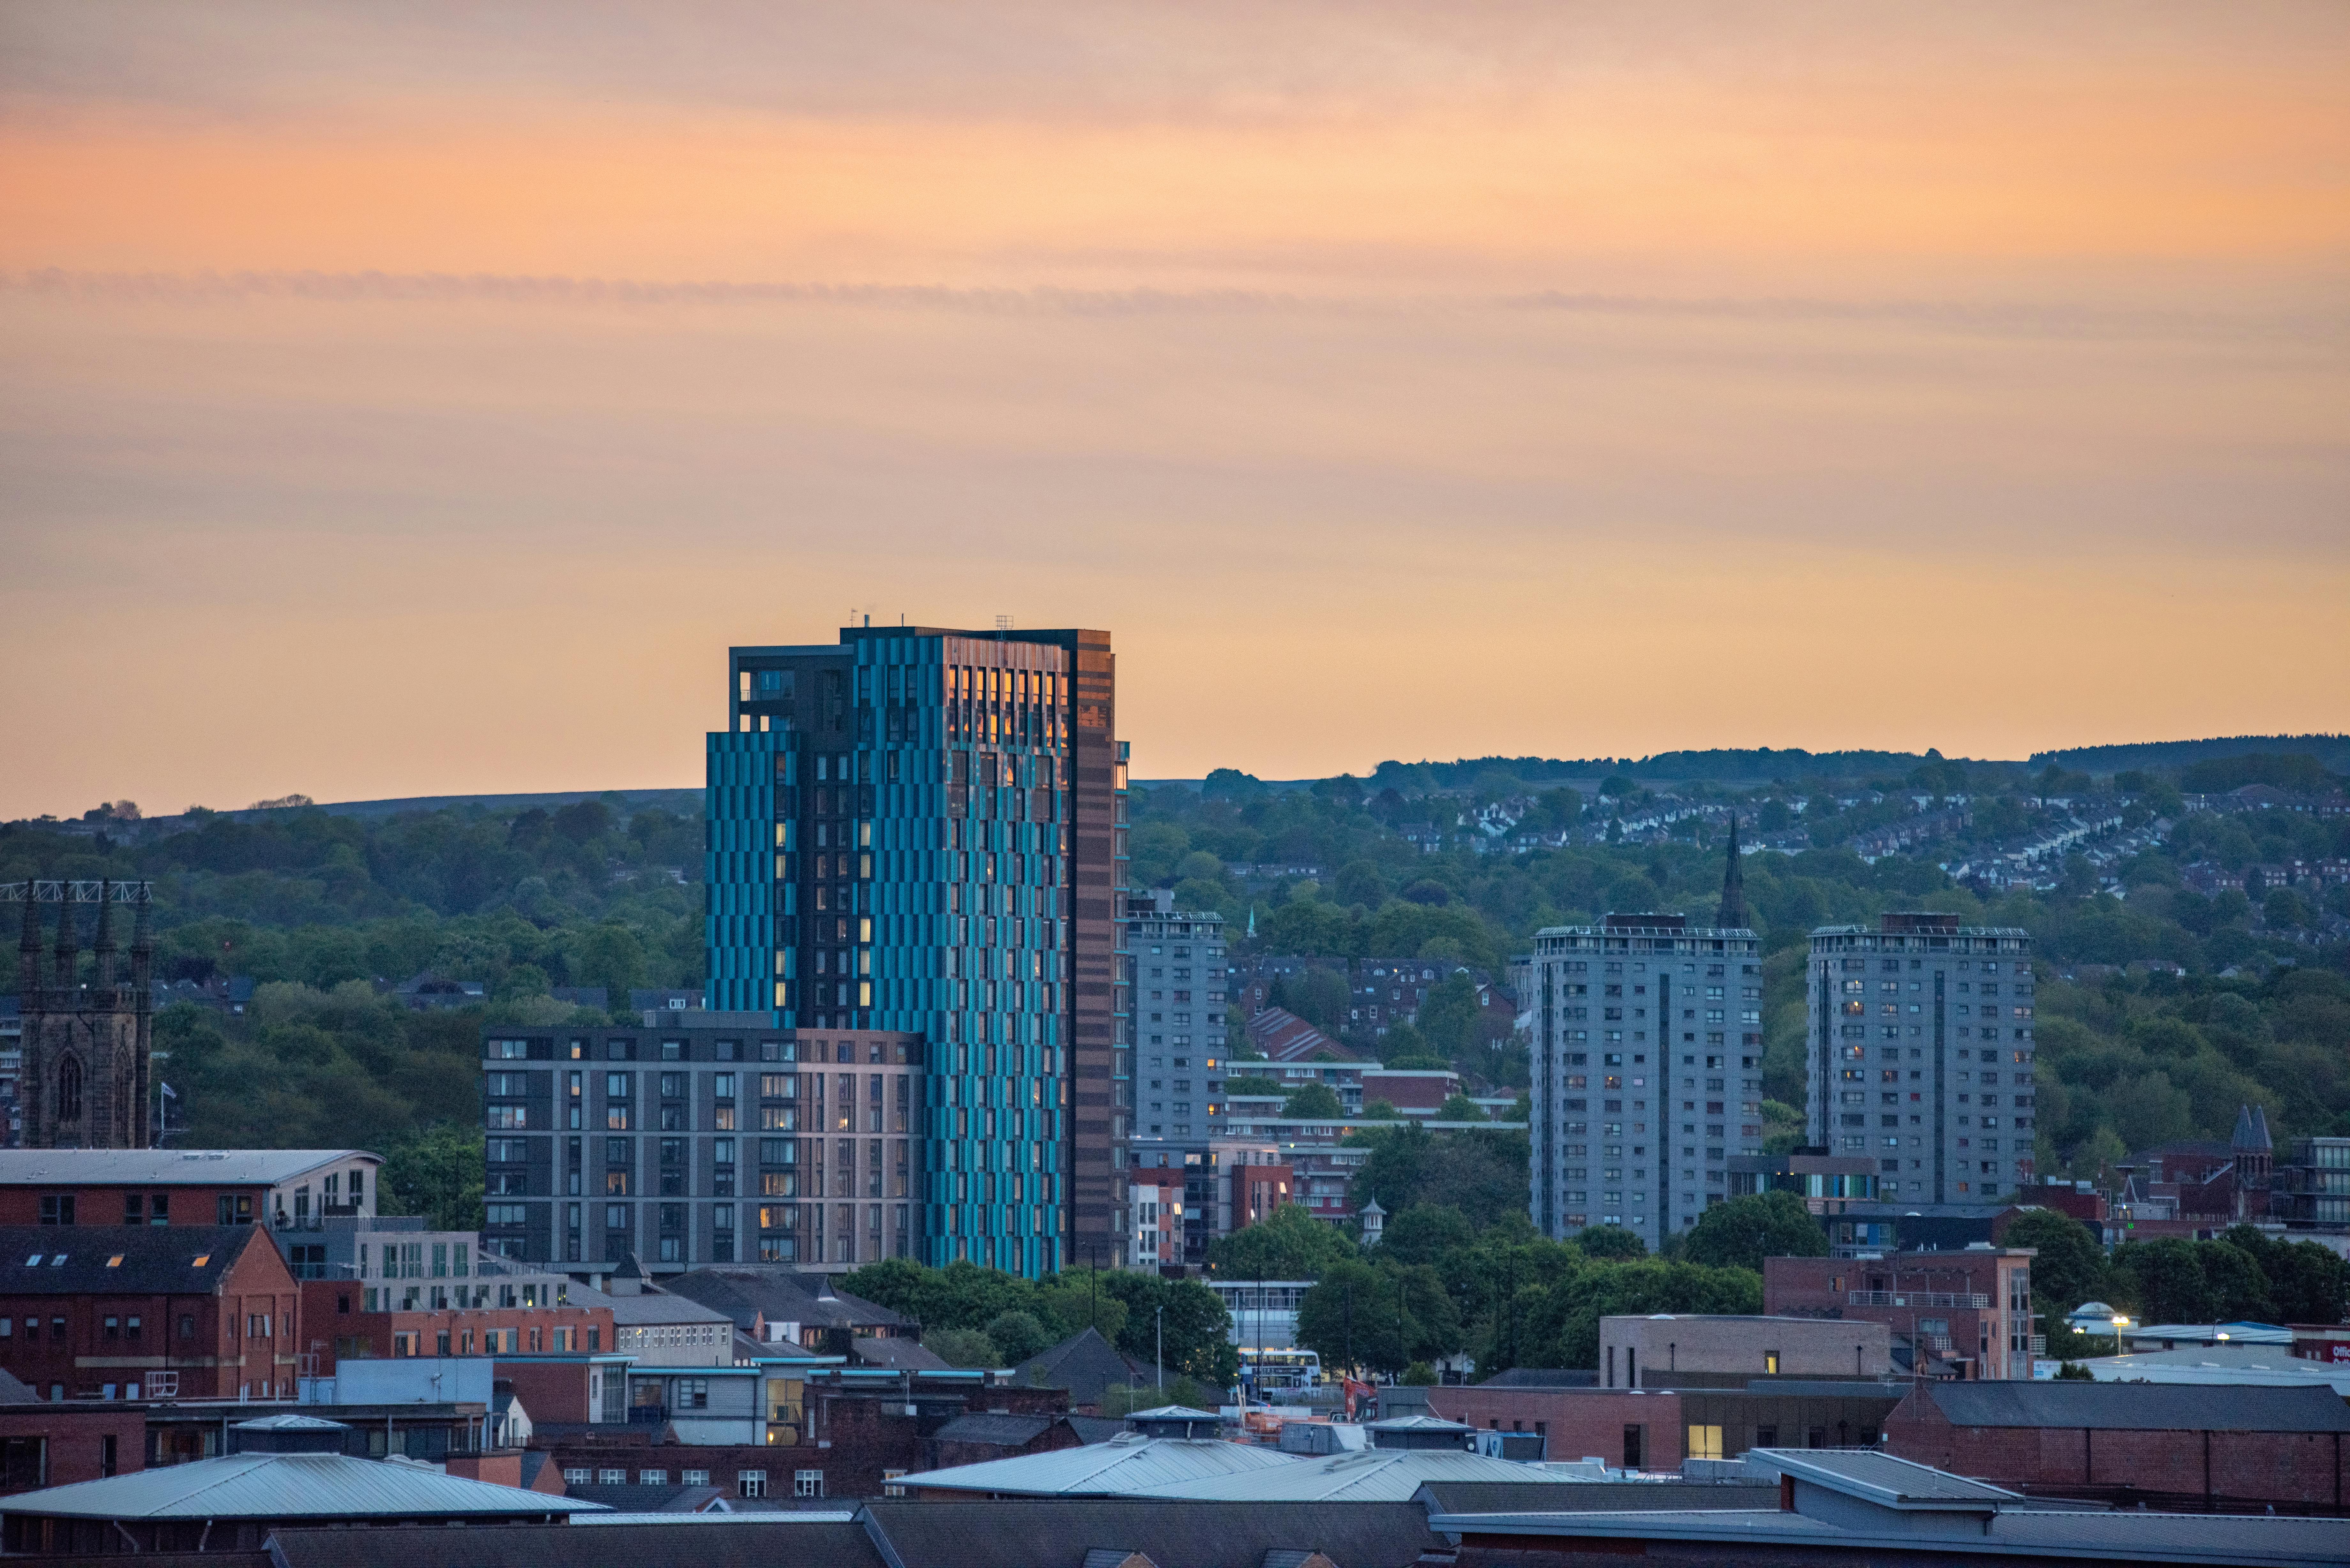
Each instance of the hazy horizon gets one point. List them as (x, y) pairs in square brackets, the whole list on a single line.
[(419, 401)]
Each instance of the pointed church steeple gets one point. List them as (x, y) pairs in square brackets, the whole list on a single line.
[(1732, 916)]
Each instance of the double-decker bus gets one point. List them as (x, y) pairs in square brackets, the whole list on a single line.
[(1286, 1368)]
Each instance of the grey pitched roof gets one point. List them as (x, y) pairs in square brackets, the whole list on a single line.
[(1058, 1534), (1542, 1377), (748, 1291), (1085, 1364), (288, 1486), (1592, 1497), (650, 1307), (14, 1390), (1882, 1479), (168, 1167), (2150, 1407), (638, 1498), (900, 1351), (702, 1539), (1094, 1429), (1124, 1464), (1361, 1474), (1004, 1431), (156, 1260)]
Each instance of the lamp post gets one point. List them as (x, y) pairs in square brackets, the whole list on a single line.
[(1161, 1314)]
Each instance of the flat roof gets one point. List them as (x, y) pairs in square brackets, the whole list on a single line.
[(168, 1167)]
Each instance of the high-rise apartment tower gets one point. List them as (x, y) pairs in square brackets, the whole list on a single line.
[(1920, 1054), (1647, 1069), (921, 831)]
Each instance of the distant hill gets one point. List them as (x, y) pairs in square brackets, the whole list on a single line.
[(2332, 751)]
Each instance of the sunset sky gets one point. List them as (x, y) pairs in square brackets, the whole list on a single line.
[(418, 400)]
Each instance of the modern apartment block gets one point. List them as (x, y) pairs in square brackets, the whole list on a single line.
[(703, 1139), (1647, 1071), (1920, 1054), (920, 834), (1175, 966)]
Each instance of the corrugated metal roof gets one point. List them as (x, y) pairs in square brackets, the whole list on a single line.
[(1115, 1469), (161, 1167), (1373, 1475), (287, 1486)]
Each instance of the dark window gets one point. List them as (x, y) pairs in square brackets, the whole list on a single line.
[(58, 1211), (1632, 1446), (69, 1089)]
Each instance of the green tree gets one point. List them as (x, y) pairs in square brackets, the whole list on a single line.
[(2071, 1267), (1313, 1101), (437, 1174), (1449, 1019), (1018, 1336), (1198, 1327), (1425, 1233), (1068, 1307), (1287, 1244), (1460, 1107), (961, 1347), (1744, 1230), (1610, 1241), (1391, 1315)]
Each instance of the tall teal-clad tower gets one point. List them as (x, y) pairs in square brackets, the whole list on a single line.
[(922, 830)]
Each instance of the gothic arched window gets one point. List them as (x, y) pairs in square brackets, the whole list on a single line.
[(69, 1089)]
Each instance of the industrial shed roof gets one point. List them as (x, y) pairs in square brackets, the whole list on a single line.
[(1123, 1465), (288, 1486)]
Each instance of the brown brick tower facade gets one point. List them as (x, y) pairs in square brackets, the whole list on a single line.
[(87, 1029)]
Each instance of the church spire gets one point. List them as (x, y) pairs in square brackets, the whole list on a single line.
[(1732, 916)]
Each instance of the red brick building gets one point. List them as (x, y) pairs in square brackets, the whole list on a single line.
[(340, 1326), (45, 1445), (2159, 1442), (1258, 1191), (1964, 1313), (285, 1188), (124, 1312), (1656, 1428)]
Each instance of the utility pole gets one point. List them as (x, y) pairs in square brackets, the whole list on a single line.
[(1161, 1314)]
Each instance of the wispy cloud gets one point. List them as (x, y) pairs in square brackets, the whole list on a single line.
[(2027, 320)]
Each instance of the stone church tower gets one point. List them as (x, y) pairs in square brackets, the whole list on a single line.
[(88, 1029)]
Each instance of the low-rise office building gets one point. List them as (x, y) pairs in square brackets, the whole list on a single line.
[(130, 1311), (1655, 1428), (1964, 1313), (1671, 1349), (287, 1190)]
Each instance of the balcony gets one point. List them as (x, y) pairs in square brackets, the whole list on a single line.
[(1916, 1298)]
